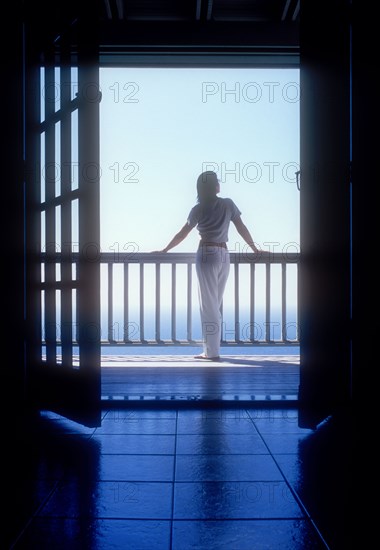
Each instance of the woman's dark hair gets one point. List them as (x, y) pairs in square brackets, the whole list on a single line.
[(207, 187)]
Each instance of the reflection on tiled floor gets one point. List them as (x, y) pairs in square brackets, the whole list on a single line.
[(177, 479)]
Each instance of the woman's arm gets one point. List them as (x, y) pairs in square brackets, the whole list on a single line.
[(244, 232), (178, 238)]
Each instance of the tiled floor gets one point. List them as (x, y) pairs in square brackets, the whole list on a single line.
[(175, 479)]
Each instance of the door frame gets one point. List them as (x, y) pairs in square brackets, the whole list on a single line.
[(325, 204)]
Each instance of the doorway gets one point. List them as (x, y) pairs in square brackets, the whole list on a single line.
[(159, 128)]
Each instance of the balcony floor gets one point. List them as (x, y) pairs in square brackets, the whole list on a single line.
[(242, 378)]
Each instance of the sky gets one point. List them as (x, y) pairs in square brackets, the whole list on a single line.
[(162, 127)]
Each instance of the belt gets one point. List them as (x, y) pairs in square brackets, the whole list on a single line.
[(205, 243)]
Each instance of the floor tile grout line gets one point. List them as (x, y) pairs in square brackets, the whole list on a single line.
[(173, 482), (301, 504), (294, 492)]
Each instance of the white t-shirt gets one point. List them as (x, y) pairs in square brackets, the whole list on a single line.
[(213, 221)]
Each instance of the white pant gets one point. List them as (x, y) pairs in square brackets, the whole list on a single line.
[(212, 266)]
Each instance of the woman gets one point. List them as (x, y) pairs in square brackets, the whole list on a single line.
[(211, 216)]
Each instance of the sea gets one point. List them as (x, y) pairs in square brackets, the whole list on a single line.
[(187, 349)]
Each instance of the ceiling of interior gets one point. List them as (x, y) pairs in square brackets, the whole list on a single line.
[(229, 26), (127, 26), (201, 10)]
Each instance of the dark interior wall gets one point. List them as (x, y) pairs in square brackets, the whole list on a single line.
[(12, 207), (365, 209)]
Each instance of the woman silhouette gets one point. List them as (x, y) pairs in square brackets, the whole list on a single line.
[(211, 216)]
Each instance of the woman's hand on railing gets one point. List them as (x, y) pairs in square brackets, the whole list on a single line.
[(163, 251), (264, 253)]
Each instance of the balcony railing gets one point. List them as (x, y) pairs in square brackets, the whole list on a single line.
[(151, 299)]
